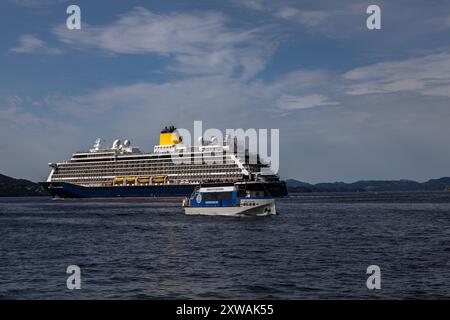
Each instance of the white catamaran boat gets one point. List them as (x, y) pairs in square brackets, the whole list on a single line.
[(242, 199)]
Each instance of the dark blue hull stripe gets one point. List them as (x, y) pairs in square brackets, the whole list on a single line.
[(68, 190)]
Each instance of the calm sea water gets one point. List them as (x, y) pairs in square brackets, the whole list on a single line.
[(318, 247)]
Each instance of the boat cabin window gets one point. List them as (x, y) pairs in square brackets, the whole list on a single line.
[(213, 196), (255, 194), (252, 190)]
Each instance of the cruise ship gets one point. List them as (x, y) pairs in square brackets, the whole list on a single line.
[(124, 171)]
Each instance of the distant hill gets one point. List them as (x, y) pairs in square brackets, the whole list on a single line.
[(369, 185), (10, 187), (299, 186)]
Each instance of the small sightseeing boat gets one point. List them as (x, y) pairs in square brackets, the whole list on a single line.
[(241, 199)]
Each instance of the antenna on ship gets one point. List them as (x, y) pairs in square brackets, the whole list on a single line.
[(116, 144), (98, 144)]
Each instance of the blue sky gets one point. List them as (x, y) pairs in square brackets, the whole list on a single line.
[(350, 103)]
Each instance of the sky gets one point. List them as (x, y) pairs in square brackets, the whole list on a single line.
[(351, 103)]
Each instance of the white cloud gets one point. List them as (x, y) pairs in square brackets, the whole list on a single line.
[(427, 75), (305, 79), (200, 43), (205, 97), (31, 44), (15, 111), (12, 112), (334, 19), (17, 116), (221, 102), (288, 102), (309, 18), (259, 5), (287, 12)]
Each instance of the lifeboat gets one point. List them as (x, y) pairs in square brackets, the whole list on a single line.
[(118, 180), (159, 179), (143, 180), (131, 180)]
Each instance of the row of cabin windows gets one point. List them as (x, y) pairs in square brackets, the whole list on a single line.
[(186, 167), (157, 165), (144, 172), (167, 159)]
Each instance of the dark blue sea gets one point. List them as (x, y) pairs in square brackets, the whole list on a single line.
[(319, 246)]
